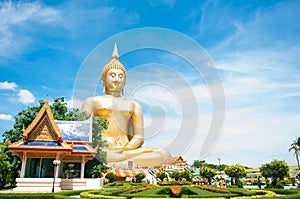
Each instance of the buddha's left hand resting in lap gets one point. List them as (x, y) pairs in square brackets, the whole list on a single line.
[(125, 132)]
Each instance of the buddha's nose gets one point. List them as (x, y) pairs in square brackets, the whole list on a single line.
[(116, 80)]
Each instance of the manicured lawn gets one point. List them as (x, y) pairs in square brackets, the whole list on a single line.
[(200, 193), (149, 193)]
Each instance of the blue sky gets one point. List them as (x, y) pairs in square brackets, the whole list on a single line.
[(253, 45)]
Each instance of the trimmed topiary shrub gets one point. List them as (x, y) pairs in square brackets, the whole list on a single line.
[(139, 177), (111, 177)]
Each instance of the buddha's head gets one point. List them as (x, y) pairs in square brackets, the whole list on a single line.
[(114, 75)]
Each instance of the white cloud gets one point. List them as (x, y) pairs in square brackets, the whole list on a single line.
[(26, 97), (17, 14), (6, 117), (8, 85), (14, 13)]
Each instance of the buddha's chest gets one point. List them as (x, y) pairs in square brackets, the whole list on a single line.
[(116, 107)]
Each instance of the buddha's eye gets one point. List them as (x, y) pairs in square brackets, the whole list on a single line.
[(112, 75), (120, 76)]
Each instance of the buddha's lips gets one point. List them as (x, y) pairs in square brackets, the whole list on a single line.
[(116, 84)]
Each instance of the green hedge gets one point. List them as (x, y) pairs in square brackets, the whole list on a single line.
[(58, 195), (26, 196), (168, 183), (67, 194), (241, 191), (96, 194), (287, 193)]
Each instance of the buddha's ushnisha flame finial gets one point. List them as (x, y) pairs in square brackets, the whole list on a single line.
[(115, 54)]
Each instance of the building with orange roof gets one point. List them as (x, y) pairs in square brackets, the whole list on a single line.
[(174, 163)]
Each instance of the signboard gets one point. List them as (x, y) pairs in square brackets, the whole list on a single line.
[(76, 130)]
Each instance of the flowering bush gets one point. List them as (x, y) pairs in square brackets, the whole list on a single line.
[(213, 189), (138, 190), (176, 191)]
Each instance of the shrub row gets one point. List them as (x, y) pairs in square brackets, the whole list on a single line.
[(287, 193), (182, 198), (59, 195), (168, 183), (94, 194), (26, 196), (260, 194)]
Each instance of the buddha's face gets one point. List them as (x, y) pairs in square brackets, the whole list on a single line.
[(115, 80)]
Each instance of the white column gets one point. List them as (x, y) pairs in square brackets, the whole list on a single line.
[(58, 166), (82, 167), (23, 167)]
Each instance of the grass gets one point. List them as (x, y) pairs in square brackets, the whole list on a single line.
[(200, 193), (152, 193), (188, 191)]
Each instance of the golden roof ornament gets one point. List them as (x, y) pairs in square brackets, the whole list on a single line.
[(47, 101)]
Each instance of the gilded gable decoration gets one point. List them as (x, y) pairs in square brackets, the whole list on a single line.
[(43, 127)]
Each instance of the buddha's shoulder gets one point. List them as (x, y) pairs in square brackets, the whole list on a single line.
[(135, 104)]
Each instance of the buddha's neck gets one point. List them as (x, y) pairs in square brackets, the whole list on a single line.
[(115, 94)]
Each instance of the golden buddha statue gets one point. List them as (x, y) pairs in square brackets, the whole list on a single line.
[(125, 132)]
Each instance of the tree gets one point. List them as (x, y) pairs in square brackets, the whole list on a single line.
[(187, 175), (22, 120), (277, 169), (175, 174), (198, 163), (95, 167), (236, 172), (201, 163), (5, 169), (295, 146), (161, 175), (208, 173)]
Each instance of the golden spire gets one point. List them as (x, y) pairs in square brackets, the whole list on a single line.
[(115, 54), (47, 101)]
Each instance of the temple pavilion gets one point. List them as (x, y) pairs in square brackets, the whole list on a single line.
[(174, 163), (44, 153)]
